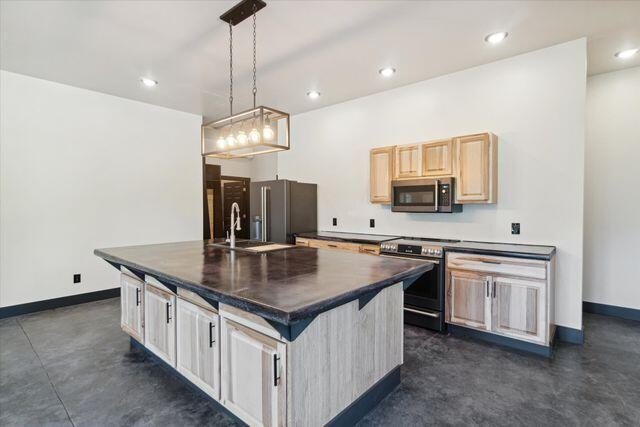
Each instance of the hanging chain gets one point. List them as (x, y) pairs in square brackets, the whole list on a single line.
[(230, 68), (255, 88)]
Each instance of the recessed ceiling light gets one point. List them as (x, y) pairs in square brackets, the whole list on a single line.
[(625, 54), (313, 94), (148, 82), (496, 38), (387, 71)]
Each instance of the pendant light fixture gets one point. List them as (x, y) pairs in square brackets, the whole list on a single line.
[(259, 130)]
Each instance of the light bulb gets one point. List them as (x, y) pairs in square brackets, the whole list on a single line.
[(231, 140), (254, 136), (496, 38), (242, 137), (267, 132), (221, 142)]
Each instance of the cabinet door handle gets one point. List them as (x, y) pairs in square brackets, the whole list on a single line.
[(493, 292), (137, 297), (211, 340), (332, 246), (487, 287), (276, 377), (168, 315)]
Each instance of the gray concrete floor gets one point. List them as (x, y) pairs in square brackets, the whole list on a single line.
[(74, 366)]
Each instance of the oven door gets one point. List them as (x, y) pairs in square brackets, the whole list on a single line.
[(416, 195), (426, 292)]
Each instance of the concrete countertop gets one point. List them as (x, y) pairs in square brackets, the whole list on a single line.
[(284, 286)]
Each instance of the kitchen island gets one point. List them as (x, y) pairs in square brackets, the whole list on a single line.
[(299, 336)]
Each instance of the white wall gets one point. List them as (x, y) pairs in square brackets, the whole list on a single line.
[(612, 190), (534, 102), (258, 168), (82, 170)]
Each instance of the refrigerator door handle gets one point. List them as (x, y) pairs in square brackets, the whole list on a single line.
[(264, 198)]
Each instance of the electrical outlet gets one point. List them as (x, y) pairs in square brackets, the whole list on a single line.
[(335, 221), (76, 278), (372, 223), (515, 228)]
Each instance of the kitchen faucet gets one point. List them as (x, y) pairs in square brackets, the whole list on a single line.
[(234, 224)]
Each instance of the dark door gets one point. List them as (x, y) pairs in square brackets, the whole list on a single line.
[(236, 192)]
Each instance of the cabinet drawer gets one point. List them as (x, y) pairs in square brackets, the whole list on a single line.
[(532, 269), (327, 244), (301, 241), (370, 249)]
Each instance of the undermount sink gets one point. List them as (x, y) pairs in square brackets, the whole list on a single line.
[(253, 246)]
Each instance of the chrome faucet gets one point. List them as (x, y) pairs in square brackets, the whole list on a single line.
[(235, 224)]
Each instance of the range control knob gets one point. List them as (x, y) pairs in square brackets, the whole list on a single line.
[(437, 252)]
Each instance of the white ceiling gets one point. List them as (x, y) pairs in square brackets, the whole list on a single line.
[(335, 47)]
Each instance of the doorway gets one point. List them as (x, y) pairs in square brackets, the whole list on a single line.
[(236, 189), (219, 193)]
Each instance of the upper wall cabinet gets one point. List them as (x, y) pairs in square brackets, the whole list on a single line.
[(437, 158), (407, 161), (381, 170), (471, 159), (476, 165)]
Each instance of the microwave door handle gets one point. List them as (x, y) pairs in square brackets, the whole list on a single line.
[(437, 193)]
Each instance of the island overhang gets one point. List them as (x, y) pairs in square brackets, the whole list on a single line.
[(285, 287)]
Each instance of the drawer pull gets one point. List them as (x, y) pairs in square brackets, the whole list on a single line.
[(486, 261)]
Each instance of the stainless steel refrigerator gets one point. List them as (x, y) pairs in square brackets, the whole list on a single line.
[(281, 208)]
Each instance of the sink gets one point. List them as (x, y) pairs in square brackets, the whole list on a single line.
[(253, 246)]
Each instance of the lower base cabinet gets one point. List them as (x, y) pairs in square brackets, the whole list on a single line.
[(253, 375), (160, 324), (197, 346), (505, 296), (132, 306)]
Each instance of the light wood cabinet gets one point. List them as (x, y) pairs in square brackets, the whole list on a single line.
[(132, 306), (381, 165), (468, 299), (362, 248), (159, 323), (407, 161), (476, 165), (253, 375), (506, 296), (518, 308), (198, 353), (437, 158)]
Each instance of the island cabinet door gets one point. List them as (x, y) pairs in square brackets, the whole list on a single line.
[(160, 324), (253, 375), (469, 299), (132, 308), (519, 308), (197, 347)]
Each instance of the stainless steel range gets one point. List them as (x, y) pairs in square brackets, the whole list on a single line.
[(424, 298)]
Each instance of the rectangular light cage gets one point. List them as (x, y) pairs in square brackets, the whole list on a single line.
[(260, 130)]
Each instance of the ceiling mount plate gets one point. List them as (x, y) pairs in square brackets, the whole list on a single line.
[(241, 11)]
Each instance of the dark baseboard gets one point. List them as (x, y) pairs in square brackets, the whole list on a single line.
[(182, 378), (523, 346), (570, 335), (32, 307), (611, 310), (369, 400)]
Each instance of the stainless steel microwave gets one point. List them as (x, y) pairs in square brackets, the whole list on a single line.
[(424, 195)]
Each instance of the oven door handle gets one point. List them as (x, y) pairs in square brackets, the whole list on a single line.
[(424, 313), (435, 261)]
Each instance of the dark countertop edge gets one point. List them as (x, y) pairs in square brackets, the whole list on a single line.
[(307, 235), (523, 255), (268, 312)]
